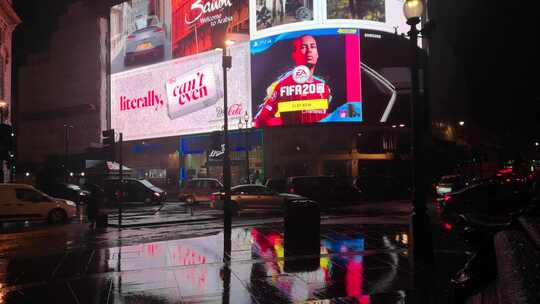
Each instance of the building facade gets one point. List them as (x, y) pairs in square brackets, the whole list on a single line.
[(61, 91), (82, 84), (8, 22)]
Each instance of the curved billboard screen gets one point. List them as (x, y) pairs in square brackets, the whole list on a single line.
[(295, 62)]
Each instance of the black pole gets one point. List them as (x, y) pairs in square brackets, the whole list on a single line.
[(226, 274), (66, 151), (421, 243), (246, 138), (227, 222), (1, 160), (121, 177)]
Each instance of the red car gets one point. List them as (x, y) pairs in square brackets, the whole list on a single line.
[(199, 190)]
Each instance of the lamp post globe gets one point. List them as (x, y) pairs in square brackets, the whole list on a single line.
[(413, 10)]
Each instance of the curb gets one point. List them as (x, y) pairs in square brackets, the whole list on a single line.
[(161, 223)]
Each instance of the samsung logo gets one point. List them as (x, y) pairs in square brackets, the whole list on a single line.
[(368, 35)]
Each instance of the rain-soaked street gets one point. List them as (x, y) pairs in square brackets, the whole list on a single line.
[(362, 258)]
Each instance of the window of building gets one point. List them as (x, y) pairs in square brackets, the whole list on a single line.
[(1, 77)]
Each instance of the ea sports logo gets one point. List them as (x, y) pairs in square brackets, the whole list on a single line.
[(301, 74)]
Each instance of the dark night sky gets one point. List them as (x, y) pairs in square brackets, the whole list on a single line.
[(497, 44), (495, 41), (39, 21)]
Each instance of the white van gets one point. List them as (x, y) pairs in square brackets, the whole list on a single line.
[(21, 202)]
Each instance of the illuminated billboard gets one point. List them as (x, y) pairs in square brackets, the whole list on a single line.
[(386, 78), (306, 77), (139, 34), (182, 96), (294, 62), (145, 32), (270, 17), (200, 26), (272, 13)]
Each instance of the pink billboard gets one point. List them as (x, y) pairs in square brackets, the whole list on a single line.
[(179, 97)]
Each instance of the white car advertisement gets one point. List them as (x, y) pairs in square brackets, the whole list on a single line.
[(180, 97)]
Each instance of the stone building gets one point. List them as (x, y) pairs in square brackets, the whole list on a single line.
[(8, 21)]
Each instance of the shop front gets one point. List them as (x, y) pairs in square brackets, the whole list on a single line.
[(156, 160), (198, 159)]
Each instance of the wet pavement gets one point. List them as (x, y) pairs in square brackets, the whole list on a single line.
[(166, 213), (358, 261)]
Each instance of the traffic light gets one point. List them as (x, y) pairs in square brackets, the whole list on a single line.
[(6, 141), (108, 144)]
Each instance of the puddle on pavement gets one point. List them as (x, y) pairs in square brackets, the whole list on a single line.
[(261, 269)]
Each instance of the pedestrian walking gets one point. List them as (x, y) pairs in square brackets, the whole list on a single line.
[(94, 204)]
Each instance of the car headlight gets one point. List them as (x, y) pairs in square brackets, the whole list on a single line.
[(157, 194), (70, 203)]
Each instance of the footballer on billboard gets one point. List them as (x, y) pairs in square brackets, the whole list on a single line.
[(306, 77)]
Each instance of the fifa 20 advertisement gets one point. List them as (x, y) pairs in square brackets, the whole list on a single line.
[(306, 77)]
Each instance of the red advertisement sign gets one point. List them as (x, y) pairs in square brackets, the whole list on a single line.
[(202, 25)]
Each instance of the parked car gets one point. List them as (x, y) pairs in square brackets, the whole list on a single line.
[(490, 198), (134, 190), (328, 190), (277, 184), (199, 190), (251, 196), (450, 183), (67, 191), (21, 202), (148, 40)]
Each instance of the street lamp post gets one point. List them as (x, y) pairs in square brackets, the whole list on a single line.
[(3, 108), (66, 151), (227, 221), (421, 242)]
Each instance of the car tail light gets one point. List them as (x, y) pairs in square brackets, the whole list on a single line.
[(447, 198), (131, 37), (158, 30), (447, 226), (291, 190)]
